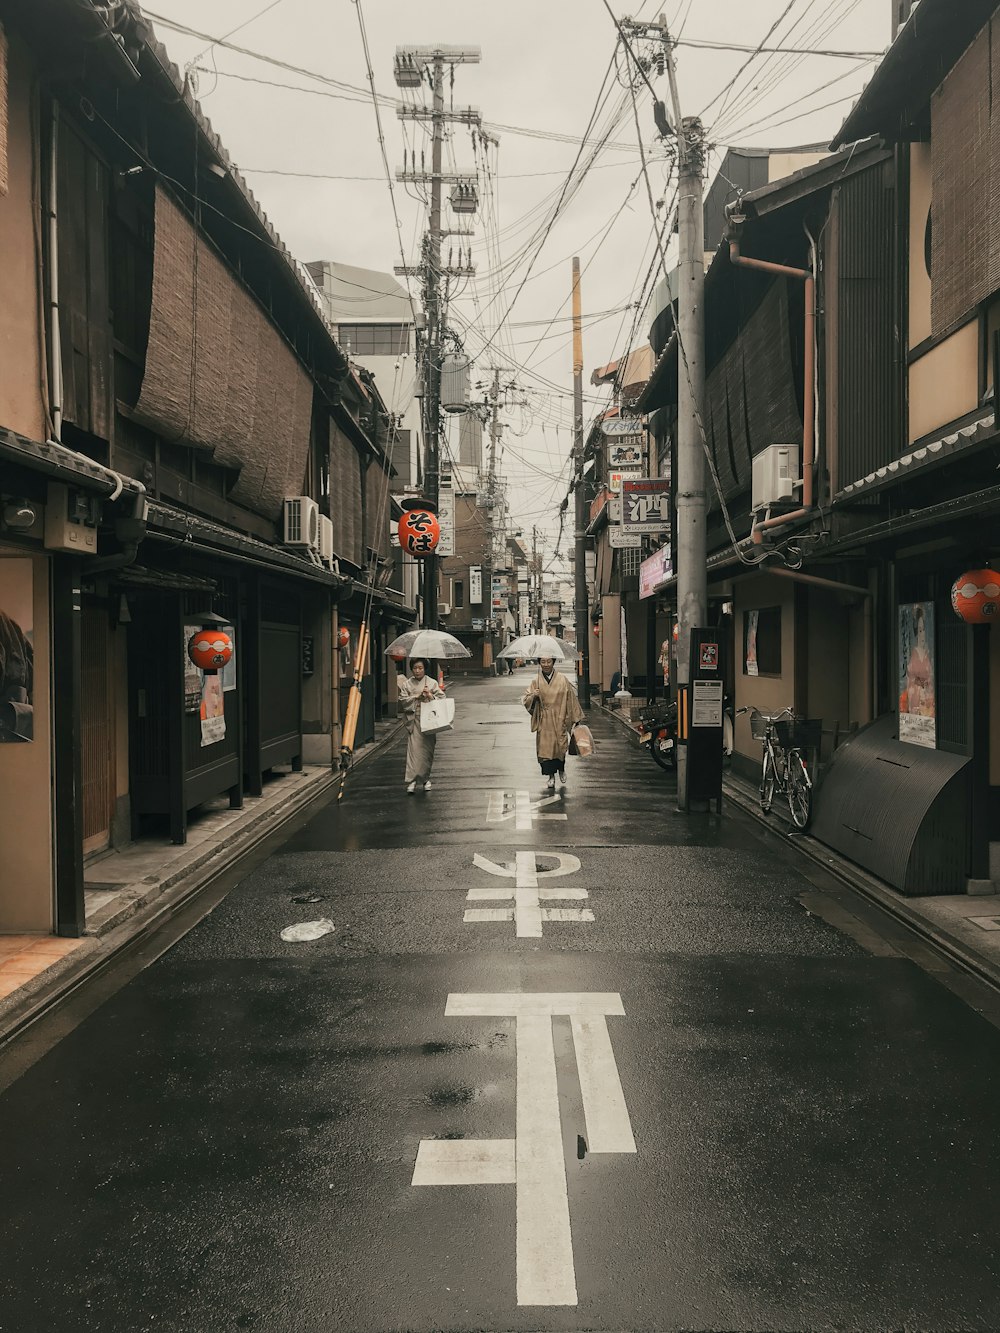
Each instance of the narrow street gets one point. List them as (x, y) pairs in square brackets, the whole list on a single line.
[(580, 1063)]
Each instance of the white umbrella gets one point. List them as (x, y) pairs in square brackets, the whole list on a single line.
[(541, 645), (427, 643)]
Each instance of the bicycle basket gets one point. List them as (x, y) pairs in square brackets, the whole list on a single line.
[(758, 725), (799, 733)]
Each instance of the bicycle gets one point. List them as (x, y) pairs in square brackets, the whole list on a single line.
[(783, 768)]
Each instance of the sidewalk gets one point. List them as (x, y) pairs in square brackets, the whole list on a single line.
[(966, 928), (127, 890)]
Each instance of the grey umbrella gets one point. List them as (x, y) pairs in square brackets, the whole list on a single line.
[(427, 643), (541, 645)]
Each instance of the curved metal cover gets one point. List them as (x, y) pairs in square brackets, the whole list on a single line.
[(897, 810)]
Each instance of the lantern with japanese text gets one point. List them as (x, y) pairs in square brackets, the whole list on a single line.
[(419, 532), (343, 637), (210, 650), (975, 596)]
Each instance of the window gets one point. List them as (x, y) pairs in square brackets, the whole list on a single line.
[(459, 594), (374, 339), (762, 642)]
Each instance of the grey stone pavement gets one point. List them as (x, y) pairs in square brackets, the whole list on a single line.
[(621, 1070)]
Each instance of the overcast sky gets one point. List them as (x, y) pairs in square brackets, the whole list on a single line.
[(543, 62)]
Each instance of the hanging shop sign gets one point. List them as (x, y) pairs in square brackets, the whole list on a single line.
[(645, 506), (617, 426), (618, 477), (475, 583), (656, 572), (622, 541), (210, 650), (975, 596), (205, 690), (627, 452), (917, 688)]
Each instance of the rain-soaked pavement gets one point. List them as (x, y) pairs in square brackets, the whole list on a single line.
[(579, 1064)]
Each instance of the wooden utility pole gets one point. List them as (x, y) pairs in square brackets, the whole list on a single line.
[(582, 608)]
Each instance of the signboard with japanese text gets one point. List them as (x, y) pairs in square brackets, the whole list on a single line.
[(655, 572), (622, 426), (475, 583), (917, 692), (645, 506), (629, 451), (621, 541), (446, 518), (617, 478)]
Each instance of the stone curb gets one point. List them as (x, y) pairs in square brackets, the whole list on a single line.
[(153, 902)]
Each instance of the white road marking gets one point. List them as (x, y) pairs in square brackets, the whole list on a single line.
[(546, 1273), (528, 914), (465, 1162), (608, 1125), (489, 914), (519, 807)]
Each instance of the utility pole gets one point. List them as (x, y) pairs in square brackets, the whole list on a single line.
[(494, 401), (536, 566), (411, 63), (691, 501), (582, 609)]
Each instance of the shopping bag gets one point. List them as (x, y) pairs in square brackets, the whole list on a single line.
[(436, 715), (581, 741)]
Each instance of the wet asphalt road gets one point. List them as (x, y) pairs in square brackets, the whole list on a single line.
[(229, 1141)]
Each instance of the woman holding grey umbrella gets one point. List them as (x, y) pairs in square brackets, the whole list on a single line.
[(555, 710)]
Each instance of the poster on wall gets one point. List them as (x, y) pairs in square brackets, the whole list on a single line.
[(917, 698), (17, 652), (751, 653), (204, 692)]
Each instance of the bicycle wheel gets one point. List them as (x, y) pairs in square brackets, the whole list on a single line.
[(767, 776), (798, 791)]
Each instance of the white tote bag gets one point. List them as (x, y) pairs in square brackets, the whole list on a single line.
[(436, 715)]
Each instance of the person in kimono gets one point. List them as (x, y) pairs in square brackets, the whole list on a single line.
[(414, 690), (555, 710)]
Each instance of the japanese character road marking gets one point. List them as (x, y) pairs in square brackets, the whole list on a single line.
[(534, 1160), (528, 912), (518, 806)]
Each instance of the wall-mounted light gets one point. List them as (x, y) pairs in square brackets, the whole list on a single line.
[(19, 515)]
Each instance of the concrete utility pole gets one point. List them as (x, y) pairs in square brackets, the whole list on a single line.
[(691, 500), (410, 65), (536, 566), (491, 473), (581, 609)]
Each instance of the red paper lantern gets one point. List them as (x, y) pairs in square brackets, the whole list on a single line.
[(343, 636), (597, 630), (975, 596), (210, 649), (419, 532)]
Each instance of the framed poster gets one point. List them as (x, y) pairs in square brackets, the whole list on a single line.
[(17, 651), (917, 688)]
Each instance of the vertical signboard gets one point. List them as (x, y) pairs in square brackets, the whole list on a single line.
[(475, 584), (446, 517)]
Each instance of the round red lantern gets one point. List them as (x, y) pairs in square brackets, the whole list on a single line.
[(210, 649), (343, 636), (597, 630), (975, 596), (419, 532)]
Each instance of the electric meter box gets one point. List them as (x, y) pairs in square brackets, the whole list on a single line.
[(774, 475), (71, 520)]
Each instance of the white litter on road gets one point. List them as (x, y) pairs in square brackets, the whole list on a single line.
[(303, 931)]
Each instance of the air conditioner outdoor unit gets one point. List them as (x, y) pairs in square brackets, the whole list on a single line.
[(326, 540), (301, 522), (774, 475), (444, 608)]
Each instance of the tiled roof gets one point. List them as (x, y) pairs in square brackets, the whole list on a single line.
[(924, 456)]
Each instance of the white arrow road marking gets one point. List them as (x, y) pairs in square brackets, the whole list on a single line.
[(534, 1161), (518, 806), (527, 913)]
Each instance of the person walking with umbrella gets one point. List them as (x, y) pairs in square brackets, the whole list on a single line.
[(554, 710), (416, 689)]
